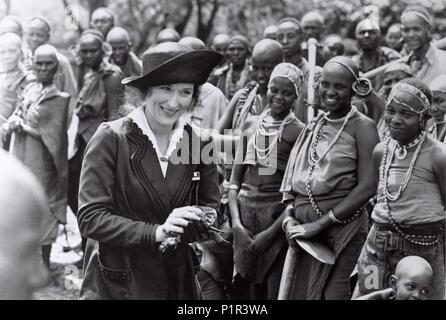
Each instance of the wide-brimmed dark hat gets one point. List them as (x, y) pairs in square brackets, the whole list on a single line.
[(171, 62)]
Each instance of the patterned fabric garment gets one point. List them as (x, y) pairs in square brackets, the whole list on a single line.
[(45, 151), (385, 247)]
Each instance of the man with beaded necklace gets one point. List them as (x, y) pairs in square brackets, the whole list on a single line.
[(409, 216)]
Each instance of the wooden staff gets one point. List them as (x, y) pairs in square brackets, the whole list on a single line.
[(312, 47), (440, 44), (288, 273), (11, 144)]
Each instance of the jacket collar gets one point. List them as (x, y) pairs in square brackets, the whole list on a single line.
[(166, 193)]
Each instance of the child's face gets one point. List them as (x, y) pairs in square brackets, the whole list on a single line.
[(413, 287), (439, 105), (281, 96)]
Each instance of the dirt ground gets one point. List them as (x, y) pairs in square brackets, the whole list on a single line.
[(65, 276)]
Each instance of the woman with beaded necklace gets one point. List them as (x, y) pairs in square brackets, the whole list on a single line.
[(326, 183), (409, 216), (259, 247)]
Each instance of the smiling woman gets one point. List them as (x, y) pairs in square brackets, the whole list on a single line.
[(254, 196), (326, 183), (409, 216), (133, 197)]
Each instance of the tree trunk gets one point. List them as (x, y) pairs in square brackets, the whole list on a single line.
[(204, 29), (179, 27)]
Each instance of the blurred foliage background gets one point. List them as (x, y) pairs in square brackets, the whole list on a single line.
[(205, 18)]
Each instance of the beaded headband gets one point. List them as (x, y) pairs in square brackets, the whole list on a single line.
[(345, 66), (360, 83), (290, 72), (419, 14), (414, 93)]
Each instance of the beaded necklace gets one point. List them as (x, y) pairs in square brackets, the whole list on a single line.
[(313, 160), (262, 130), (387, 163), (402, 149), (384, 176)]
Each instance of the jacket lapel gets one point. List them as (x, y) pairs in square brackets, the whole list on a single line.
[(148, 171), (179, 175)]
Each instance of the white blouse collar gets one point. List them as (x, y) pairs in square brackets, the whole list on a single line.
[(139, 118)]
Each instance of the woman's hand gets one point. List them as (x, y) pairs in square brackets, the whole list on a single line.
[(304, 231), (262, 241), (290, 225), (243, 236), (15, 123), (177, 221)]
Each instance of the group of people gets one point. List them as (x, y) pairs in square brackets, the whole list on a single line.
[(199, 173)]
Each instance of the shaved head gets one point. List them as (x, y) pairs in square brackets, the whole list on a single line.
[(103, 19), (118, 34), (367, 24), (39, 22), (11, 24), (10, 51), (221, 39), (270, 32), (413, 279), (340, 62), (193, 42), (47, 50), (119, 40), (91, 49), (22, 204), (269, 48), (267, 53), (10, 38), (412, 266), (45, 63), (313, 16), (168, 35), (368, 34), (90, 38)]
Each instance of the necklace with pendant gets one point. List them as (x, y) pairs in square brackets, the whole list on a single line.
[(401, 150)]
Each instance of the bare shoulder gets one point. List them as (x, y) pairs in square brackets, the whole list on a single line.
[(378, 151), (364, 127), (438, 152), (292, 131), (364, 122)]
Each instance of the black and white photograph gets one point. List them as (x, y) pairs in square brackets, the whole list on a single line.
[(235, 151)]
